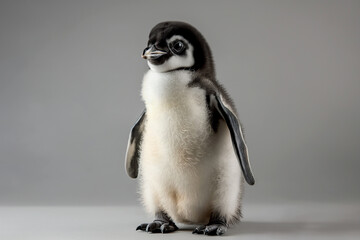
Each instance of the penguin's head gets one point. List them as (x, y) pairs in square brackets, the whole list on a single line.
[(177, 45)]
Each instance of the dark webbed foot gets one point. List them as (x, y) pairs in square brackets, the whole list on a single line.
[(211, 229), (162, 224), (216, 226)]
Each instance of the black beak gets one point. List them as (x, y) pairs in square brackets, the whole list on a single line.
[(152, 53)]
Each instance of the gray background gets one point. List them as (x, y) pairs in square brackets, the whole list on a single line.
[(70, 77)]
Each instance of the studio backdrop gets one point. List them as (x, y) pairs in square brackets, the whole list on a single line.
[(70, 80)]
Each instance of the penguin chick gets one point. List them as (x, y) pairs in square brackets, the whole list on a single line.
[(188, 146)]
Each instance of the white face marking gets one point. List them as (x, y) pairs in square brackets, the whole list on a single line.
[(176, 61)]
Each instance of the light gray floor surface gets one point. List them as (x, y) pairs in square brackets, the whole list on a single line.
[(300, 221)]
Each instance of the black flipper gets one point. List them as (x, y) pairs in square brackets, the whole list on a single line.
[(237, 138), (132, 152)]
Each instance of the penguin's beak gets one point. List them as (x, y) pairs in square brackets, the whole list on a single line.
[(152, 53)]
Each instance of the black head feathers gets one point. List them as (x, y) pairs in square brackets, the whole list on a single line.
[(161, 48)]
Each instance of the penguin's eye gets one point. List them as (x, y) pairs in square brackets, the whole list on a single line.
[(177, 46)]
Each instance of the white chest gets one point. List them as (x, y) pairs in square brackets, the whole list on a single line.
[(177, 118), (169, 89)]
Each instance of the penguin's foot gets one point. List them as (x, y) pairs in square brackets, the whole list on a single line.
[(216, 226), (158, 227), (211, 229), (162, 224)]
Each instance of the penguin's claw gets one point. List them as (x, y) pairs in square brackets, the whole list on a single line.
[(199, 230), (142, 227), (211, 229), (158, 227)]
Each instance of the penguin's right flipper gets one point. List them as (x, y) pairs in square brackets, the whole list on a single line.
[(133, 147)]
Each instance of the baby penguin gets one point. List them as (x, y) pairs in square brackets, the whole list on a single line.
[(188, 146)]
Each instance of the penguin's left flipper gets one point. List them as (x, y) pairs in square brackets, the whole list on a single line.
[(237, 137), (133, 147)]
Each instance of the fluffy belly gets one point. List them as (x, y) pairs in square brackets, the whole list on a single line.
[(177, 176), (184, 192)]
